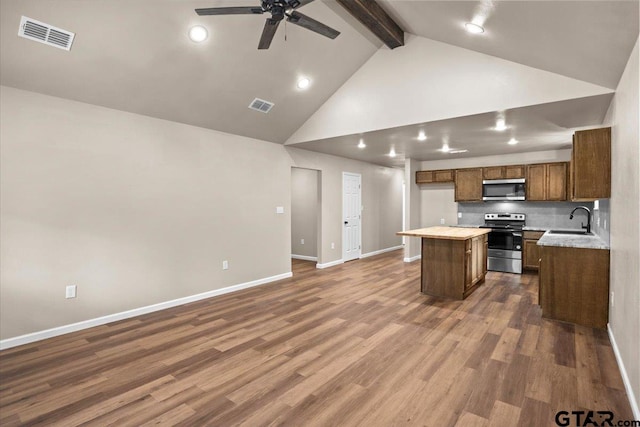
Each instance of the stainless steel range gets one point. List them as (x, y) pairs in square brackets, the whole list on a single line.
[(505, 241)]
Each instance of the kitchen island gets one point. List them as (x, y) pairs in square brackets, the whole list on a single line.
[(454, 260)]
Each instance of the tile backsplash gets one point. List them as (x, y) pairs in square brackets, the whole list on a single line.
[(601, 223), (539, 214)]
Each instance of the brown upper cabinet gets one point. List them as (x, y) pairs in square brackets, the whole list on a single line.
[(468, 185), (546, 181), (591, 165), (503, 172), (426, 177)]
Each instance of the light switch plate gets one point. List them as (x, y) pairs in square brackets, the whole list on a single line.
[(70, 291), (280, 209)]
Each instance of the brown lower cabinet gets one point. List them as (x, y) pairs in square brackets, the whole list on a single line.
[(453, 268), (574, 285), (530, 249)]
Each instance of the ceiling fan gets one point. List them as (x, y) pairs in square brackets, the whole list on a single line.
[(278, 10)]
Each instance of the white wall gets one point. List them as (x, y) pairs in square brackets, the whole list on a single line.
[(133, 210), (624, 314), (381, 200), (138, 211), (413, 207), (427, 80), (437, 203), (304, 212)]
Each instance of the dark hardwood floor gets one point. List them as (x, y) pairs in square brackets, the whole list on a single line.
[(355, 344)]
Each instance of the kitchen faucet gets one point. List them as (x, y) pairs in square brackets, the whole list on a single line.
[(586, 209)]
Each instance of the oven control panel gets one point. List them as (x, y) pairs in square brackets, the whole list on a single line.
[(505, 216)]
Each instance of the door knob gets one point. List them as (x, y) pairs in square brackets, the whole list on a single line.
[(346, 222)]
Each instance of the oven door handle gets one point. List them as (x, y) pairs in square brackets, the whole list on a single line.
[(503, 231)]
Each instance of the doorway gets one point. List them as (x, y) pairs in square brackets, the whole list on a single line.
[(351, 216), (305, 217)]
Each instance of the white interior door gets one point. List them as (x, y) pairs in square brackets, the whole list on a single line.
[(351, 210)]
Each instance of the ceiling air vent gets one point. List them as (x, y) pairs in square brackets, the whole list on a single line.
[(45, 33), (261, 105)]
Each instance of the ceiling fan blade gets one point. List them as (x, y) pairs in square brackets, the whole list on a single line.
[(269, 30), (249, 10), (311, 24)]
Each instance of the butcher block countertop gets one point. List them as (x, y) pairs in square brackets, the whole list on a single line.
[(445, 233)]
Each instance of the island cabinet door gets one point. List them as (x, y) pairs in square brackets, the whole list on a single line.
[(444, 267), (485, 254), (475, 260), (468, 264)]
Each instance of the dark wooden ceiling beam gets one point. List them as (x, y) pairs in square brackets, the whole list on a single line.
[(372, 16)]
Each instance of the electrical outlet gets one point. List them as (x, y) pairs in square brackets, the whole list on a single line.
[(279, 209), (459, 214), (441, 220), (611, 299), (333, 245), (225, 265), (302, 241), (70, 291)]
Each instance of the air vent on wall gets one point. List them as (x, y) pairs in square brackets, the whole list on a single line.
[(261, 105), (45, 33)]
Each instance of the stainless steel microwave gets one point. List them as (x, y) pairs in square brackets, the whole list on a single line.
[(503, 189)]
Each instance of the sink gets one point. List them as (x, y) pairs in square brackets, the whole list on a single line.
[(572, 232)]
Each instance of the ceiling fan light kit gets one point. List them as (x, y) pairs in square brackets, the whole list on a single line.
[(279, 9)]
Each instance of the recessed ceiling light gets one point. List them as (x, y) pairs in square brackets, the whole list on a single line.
[(198, 33), (500, 125), (392, 152), (473, 28), (422, 136), (303, 83), (361, 144), (513, 141)]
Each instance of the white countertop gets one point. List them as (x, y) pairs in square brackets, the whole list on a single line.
[(591, 241)]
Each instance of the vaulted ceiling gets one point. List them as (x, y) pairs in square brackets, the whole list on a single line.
[(135, 56)]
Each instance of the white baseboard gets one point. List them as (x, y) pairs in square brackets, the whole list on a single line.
[(85, 324), (381, 251), (304, 257), (330, 264), (625, 377), (413, 258)]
